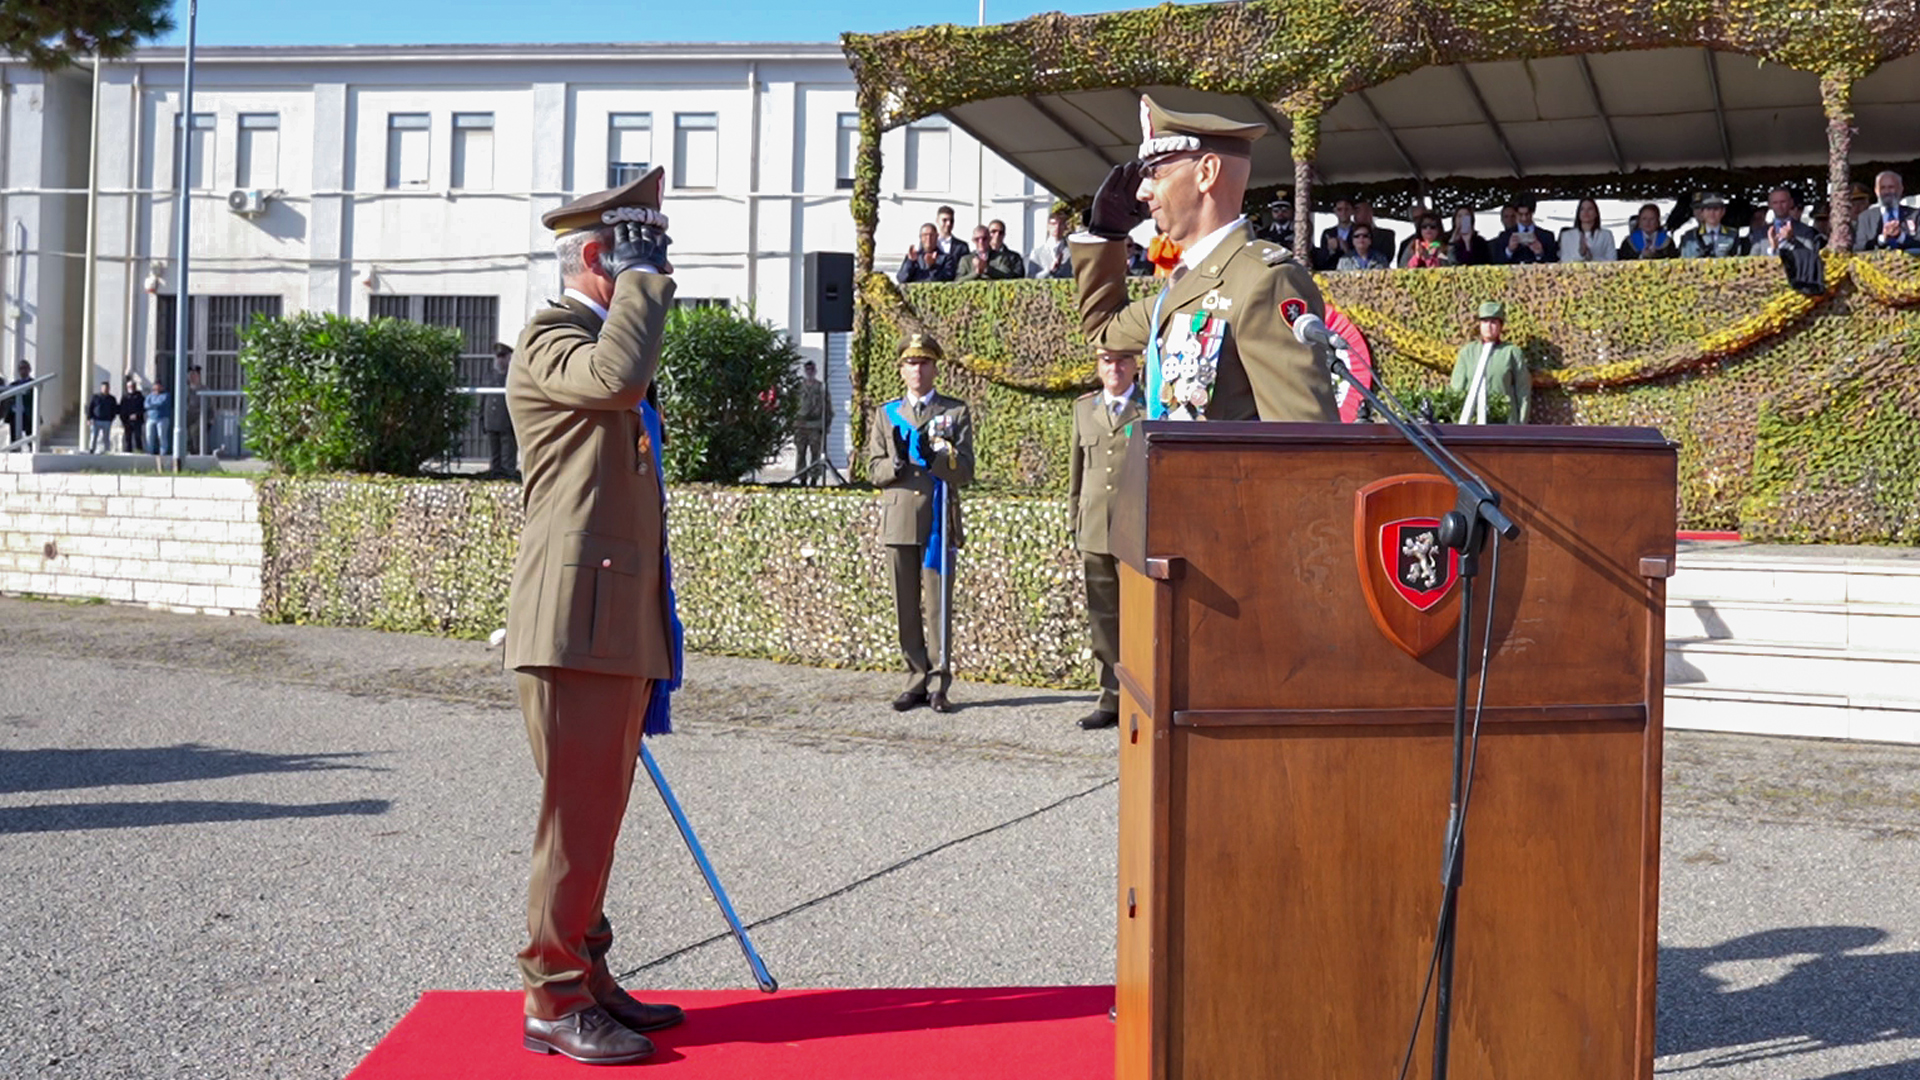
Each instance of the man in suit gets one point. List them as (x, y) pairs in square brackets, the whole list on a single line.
[(1784, 229), (1490, 369), (587, 617), (503, 455), (1886, 224), (1217, 340), (1100, 421), (915, 440)]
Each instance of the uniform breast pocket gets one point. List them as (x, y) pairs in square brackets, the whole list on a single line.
[(604, 590)]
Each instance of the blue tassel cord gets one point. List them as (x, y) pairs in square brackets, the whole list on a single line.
[(659, 718)]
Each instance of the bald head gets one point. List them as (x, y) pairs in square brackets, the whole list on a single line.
[(1195, 193)]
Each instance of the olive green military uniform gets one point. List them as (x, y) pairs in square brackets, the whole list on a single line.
[(906, 519), (1507, 375), (587, 624), (1093, 475)]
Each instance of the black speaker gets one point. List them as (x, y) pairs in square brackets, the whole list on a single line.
[(829, 292)]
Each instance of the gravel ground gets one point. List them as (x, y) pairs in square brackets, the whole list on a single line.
[(238, 850)]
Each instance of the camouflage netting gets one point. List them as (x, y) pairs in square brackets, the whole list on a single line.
[(1699, 349), (777, 574)]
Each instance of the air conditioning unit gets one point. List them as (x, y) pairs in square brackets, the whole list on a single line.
[(248, 202)]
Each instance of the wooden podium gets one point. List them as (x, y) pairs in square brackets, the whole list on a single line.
[(1285, 762)]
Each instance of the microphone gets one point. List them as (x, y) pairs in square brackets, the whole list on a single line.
[(1310, 329)]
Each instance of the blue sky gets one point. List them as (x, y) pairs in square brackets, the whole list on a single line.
[(418, 22)]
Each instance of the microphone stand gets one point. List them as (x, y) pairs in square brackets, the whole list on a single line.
[(1464, 529)]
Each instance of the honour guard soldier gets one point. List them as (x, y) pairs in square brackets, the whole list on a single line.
[(587, 614), (1218, 340), (1490, 369), (920, 453), (1100, 422)]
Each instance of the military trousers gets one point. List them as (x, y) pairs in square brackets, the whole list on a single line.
[(807, 442), (1103, 617), (584, 729), (917, 594)]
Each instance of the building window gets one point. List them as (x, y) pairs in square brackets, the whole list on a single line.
[(846, 144), (929, 152), (472, 152), (700, 302), (696, 150), (201, 146), (257, 162), (214, 324), (407, 135), (629, 147), (478, 320)]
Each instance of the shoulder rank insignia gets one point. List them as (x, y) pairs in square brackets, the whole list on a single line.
[(1274, 255)]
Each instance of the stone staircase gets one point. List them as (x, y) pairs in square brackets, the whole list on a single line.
[(1821, 642)]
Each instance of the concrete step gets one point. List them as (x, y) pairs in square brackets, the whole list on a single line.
[(1710, 707), (1794, 669), (1892, 578), (1868, 627)]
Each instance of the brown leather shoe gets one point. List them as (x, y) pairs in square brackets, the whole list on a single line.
[(638, 1015), (589, 1036)]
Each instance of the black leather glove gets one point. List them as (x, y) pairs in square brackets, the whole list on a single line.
[(636, 245), (1116, 206)]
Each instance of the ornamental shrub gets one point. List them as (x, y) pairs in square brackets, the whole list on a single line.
[(729, 393), (326, 393)]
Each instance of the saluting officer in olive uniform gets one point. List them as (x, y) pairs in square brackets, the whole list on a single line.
[(587, 617), (1218, 342), (914, 440), (1100, 422)]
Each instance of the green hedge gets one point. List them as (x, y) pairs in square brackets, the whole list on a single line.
[(778, 574), (1765, 390)]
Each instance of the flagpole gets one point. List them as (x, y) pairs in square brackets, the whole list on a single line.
[(183, 214)]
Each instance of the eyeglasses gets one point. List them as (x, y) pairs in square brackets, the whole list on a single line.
[(1155, 169), (1430, 225)]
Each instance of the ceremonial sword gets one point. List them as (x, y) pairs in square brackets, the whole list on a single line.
[(760, 974)]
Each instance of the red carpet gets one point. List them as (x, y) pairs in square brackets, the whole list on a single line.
[(1028, 1033)]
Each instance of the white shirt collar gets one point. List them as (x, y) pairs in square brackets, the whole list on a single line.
[(1110, 401), (589, 301), (1204, 246), (922, 402)]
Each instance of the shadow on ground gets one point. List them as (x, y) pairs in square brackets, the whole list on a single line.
[(59, 769), (1780, 993)]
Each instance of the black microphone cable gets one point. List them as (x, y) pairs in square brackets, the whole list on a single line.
[(1466, 800)]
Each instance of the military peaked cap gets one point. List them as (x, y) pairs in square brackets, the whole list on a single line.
[(638, 200), (920, 346), (1163, 131)]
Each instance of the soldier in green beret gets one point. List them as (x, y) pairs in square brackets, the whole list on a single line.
[(1100, 421), (1490, 367), (1218, 340)]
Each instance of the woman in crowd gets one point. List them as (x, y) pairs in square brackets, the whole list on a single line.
[(1586, 241), (1467, 247), (1426, 247), (1647, 240), (1363, 257)]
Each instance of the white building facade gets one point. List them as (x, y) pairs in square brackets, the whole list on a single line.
[(409, 181)]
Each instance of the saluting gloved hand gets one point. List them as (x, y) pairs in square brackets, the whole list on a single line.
[(1116, 206), (636, 245)]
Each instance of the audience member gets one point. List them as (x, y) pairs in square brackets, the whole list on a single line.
[(101, 409), (159, 406), (1521, 243), (1886, 224), (1163, 253), (1464, 242), (998, 261), (1711, 239), (1646, 239), (133, 417), (811, 425), (1364, 257), (1426, 247), (1334, 239), (1279, 226), (1050, 258), (1783, 227), (950, 245), (1383, 237), (973, 266), (924, 262), (1489, 366), (1509, 217), (192, 420), (1586, 241), (503, 452), (1138, 265), (19, 408)]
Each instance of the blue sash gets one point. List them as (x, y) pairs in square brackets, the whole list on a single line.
[(659, 718), (1155, 407), (918, 452)]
